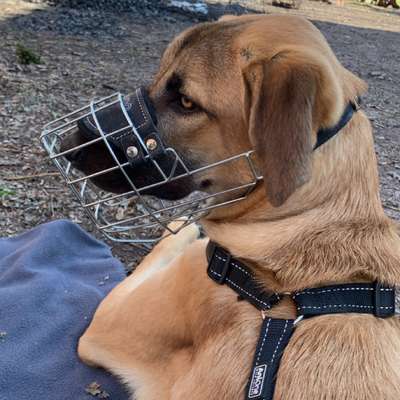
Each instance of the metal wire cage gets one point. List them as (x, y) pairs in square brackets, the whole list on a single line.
[(132, 216)]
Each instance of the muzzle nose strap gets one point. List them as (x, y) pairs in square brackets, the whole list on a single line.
[(135, 120)]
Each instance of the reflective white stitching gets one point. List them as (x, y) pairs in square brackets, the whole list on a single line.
[(332, 290), (340, 290), (249, 294), (337, 306), (279, 342), (233, 263), (263, 341), (243, 290)]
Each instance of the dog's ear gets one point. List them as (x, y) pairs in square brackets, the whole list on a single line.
[(289, 97)]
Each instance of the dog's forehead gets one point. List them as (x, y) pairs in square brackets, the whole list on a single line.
[(207, 44), (203, 53), (209, 35), (209, 58)]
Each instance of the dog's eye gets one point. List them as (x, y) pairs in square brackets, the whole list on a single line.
[(187, 104)]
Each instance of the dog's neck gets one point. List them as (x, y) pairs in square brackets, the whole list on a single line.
[(331, 230)]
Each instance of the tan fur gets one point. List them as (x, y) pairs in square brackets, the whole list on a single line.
[(170, 332)]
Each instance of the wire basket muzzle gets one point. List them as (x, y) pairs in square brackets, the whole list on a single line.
[(126, 128)]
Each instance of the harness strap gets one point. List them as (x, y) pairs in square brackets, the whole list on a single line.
[(274, 337), (224, 269), (367, 298)]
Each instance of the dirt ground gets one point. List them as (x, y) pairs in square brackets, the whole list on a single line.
[(88, 53)]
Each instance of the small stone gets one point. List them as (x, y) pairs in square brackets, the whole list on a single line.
[(93, 389), (120, 214), (394, 175)]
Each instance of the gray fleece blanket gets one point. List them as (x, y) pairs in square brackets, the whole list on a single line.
[(51, 280)]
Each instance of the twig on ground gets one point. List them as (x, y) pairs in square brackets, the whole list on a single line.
[(23, 177), (391, 207), (107, 86)]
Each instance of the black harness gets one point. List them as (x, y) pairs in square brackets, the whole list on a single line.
[(365, 298)]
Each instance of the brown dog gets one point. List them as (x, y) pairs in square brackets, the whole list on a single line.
[(268, 83)]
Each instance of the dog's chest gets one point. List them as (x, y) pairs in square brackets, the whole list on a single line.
[(337, 357)]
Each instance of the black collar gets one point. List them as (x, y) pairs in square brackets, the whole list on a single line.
[(324, 134)]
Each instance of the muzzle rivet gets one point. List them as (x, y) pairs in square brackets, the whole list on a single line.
[(132, 151), (151, 144)]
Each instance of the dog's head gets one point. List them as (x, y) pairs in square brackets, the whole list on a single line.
[(266, 83)]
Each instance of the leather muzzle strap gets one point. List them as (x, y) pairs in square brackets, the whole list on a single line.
[(135, 120)]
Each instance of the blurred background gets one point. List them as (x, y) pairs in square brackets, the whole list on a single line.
[(56, 55)]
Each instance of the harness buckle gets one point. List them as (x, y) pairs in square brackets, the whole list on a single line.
[(397, 301), (263, 314), (298, 319)]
